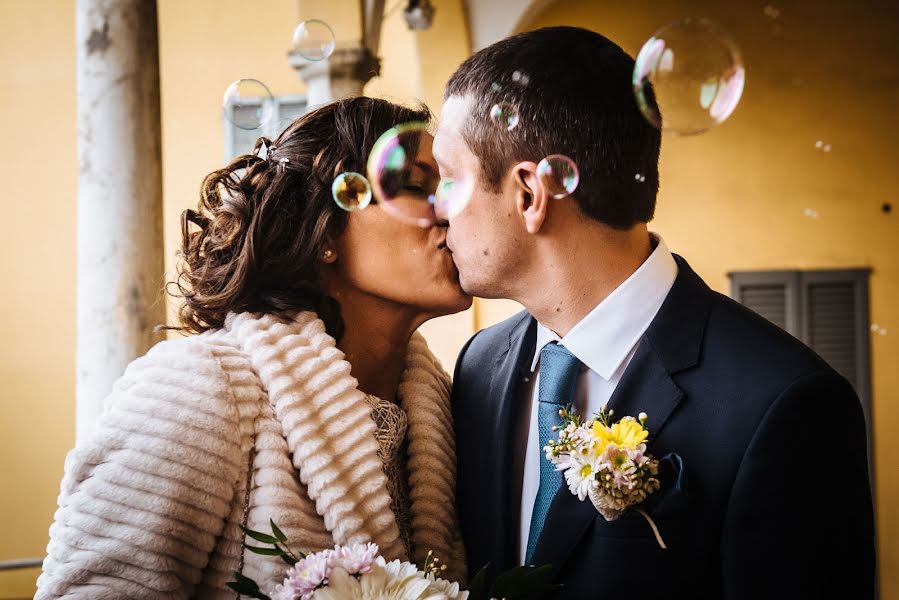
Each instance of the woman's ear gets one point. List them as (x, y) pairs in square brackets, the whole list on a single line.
[(531, 200)]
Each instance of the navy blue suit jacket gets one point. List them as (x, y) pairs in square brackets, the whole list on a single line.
[(775, 498)]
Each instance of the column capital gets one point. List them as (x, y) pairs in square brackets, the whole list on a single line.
[(341, 75)]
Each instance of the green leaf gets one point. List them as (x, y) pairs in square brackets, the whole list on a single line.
[(259, 536), (278, 533), (265, 551), (477, 587), (246, 586), (289, 559), (524, 582)]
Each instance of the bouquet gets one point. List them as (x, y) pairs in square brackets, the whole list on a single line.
[(607, 462), (357, 572)]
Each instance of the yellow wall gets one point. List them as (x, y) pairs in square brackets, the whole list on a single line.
[(734, 199), (204, 45), (37, 271)]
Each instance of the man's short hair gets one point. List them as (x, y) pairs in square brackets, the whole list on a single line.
[(573, 93)]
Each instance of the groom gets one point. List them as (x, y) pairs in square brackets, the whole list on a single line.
[(773, 498)]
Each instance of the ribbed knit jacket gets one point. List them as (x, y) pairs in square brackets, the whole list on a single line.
[(150, 506)]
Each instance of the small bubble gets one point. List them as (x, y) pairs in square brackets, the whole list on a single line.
[(505, 115), (521, 78), (496, 87), (883, 331), (351, 191), (772, 12), (313, 40), (875, 327), (640, 177), (559, 175), (248, 104), (811, 213)]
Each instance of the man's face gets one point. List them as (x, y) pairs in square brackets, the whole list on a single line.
[(485, 235)]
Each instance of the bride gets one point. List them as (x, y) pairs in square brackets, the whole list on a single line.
[(305, 398)]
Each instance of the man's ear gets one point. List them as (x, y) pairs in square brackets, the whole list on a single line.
[(531, 199)]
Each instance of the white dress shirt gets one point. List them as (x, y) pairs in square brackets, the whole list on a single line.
[(604, 341)]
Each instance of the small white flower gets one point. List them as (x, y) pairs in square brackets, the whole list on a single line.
[(580, 474)]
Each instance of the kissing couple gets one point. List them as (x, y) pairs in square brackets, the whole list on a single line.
[(304, 395)]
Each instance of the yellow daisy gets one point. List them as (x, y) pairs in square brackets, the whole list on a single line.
[(626, 433)]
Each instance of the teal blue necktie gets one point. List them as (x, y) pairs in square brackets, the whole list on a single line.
[(558, 378)]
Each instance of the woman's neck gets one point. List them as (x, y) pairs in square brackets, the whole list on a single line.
[(375, 341)]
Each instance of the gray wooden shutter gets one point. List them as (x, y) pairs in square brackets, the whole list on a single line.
[(827, 310), (772, 294), (835, 325)]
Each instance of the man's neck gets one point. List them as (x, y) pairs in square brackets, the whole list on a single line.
[(576, 275)]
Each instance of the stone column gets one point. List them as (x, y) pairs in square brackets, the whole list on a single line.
[(341, 75), (120, 244)]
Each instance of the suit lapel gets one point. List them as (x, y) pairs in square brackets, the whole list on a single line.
[(671, 344), (509, 371)]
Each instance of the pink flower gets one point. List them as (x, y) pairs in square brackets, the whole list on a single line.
[(355, 560), (305, 577), (618, 463)]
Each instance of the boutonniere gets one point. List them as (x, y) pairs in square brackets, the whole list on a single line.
[(607, 462)]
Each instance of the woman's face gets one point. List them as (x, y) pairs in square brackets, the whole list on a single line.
[(405, 264)]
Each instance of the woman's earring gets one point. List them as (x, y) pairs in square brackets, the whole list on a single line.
[(328, 254)]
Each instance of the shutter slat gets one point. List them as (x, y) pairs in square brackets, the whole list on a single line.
[(768, 300), (831, 326)]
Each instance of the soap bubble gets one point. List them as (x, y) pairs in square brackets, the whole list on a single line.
[(248, 104), (504, 115), (313, 40), (559, 175), (695, 71), (351, 191), (405, 180)]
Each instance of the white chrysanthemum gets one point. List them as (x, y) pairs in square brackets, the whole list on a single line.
[(448, 588), (581, 473), (386, 581)]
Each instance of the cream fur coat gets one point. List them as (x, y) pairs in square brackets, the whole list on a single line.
[(150, 506)]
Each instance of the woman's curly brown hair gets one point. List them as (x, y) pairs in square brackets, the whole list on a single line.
[(264, 222)]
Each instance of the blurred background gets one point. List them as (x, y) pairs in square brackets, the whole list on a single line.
[(789, 206)]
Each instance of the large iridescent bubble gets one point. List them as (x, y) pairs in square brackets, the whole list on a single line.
[(694, 70), (405, 181)]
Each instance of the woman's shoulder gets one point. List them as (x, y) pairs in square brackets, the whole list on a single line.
[(193, 373)]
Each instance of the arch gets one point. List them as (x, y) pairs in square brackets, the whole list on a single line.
[(491, 20)]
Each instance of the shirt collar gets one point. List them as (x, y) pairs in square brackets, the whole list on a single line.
[(604, 338)]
